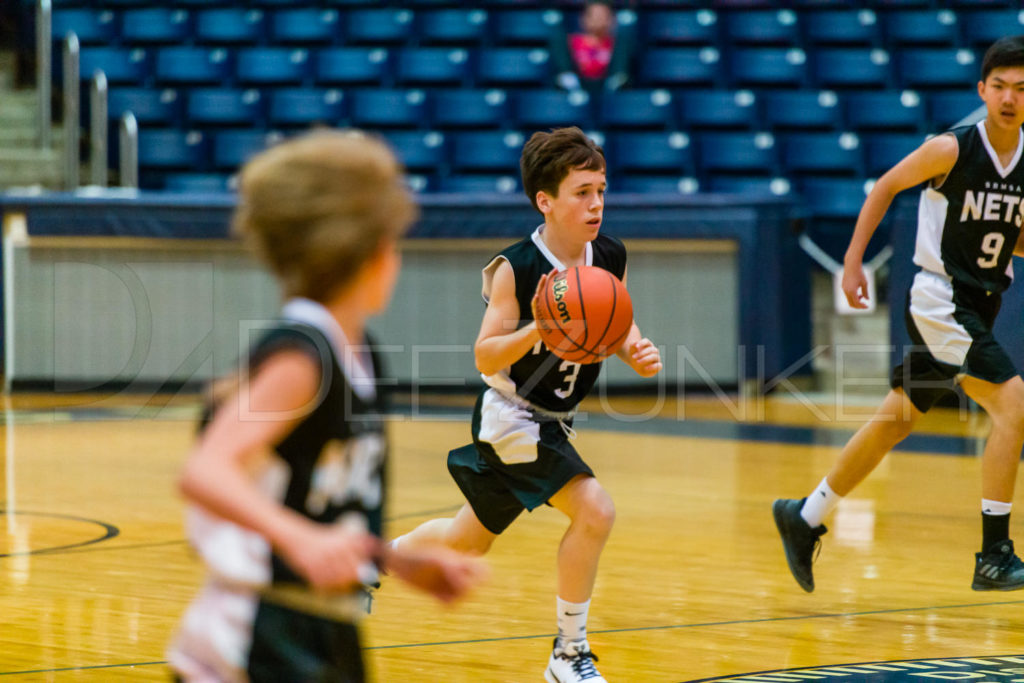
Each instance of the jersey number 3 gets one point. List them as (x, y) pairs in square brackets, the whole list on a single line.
[(571, 370), (991, 245)]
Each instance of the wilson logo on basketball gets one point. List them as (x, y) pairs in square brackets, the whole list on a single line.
[(559, 288)]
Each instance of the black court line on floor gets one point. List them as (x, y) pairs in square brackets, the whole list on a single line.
[(109, 531), (665, 627)]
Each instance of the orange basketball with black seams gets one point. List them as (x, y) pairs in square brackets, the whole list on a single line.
[(584, 314)]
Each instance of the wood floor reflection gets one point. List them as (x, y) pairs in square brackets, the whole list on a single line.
[(95, 573)]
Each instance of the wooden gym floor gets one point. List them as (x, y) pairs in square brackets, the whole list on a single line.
[(94, 571)]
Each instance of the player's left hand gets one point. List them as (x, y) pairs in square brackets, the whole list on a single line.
[(645, 358), (444, 573)]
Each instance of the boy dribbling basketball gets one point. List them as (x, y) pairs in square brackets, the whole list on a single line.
[(521, 456)]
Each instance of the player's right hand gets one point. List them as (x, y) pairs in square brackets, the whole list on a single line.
[(440, 571), (329, 556), (855, 285)]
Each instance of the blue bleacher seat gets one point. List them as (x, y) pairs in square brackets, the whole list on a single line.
[(680, 27), (198, 183), (650, 152), (379, 26), (645, 183), (718, 109), (431, 66), (762, 27), (224, 25), (822, 153), (852, 67), (469, 108), (273, 65), (190, 65), (888, 109), (513, 66), (452, 26), (937, 68), (348, 65), (936, 27), (984, 27), (232, 148), (165, 149), (492, 151), (304, 25), (834, 198), (768, 66), (224, 106), (882, 151), (680, 67), (541, 109), (526, 26), (160, 107), (738, 152), (419, 151), (305, 106), (801, 109), (637, 109), (121, 65), (948, 107), (155, 25), (376, 108), (750, 186), (842, 27), (90, 25), (487, 183)]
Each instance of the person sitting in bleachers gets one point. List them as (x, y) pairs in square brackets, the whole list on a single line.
[(599, 55)]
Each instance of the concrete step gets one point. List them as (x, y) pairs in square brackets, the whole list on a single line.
[(25, 167), (21, 135)]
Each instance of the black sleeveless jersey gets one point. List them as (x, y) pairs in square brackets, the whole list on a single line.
[(541, 377), (968, 226), (332, 464)]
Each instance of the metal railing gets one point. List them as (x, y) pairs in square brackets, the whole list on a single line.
[(128, 150), (44, 73), (72, 111), (98, 129)]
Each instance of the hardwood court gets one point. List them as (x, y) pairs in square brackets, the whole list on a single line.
[(693, 585)]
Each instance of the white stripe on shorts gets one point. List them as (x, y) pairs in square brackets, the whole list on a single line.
[(509, 428), (931, 306)]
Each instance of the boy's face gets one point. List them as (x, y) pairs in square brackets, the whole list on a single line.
[(597, 20), (579, 206), (1003, 93)]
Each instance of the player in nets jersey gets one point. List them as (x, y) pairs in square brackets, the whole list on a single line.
[(969, 227), (286, 480), (521, 456)]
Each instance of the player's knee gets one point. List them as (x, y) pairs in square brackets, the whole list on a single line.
[(599, 513)]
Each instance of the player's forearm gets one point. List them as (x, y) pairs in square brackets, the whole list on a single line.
[(624, 351), (497, 352), (871, 215)]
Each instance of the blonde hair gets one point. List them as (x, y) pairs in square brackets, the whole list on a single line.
[(318, 206)]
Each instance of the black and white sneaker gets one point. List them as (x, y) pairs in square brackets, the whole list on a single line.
[(998, 569), (799, 540), (572, 663)]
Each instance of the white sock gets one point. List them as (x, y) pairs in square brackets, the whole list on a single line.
[(572, 621), (995, 507), (819, 504)]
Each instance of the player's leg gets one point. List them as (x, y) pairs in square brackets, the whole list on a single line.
[(591, 513), (997, 567), (463, 532), (800, 522)]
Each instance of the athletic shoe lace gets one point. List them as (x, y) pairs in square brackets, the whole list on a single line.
[(582, 665)]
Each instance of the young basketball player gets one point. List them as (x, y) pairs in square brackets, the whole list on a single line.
[(969, 226), (286, 479), (521, 456)]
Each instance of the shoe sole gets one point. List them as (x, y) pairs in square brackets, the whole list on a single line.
[(550, 677), (777, 514), (987, 587)]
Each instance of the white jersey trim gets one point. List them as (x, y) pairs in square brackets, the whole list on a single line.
[(588, 256), (931, 221), (994, 156)]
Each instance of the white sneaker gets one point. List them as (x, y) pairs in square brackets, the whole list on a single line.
[(571, 663)]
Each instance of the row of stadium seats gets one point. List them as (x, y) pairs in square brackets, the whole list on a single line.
[(474, 27), (497, 152), (773, 110), (530, 67)]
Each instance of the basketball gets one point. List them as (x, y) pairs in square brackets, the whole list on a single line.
[(584, 314)]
